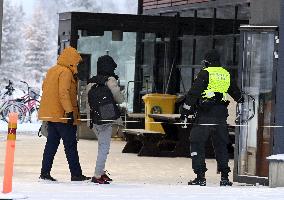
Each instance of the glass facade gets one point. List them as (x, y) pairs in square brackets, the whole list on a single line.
[(158, 52), (256, 119), (123, 53), (194, 47), (156, 65), (148, 63), (186, 68)]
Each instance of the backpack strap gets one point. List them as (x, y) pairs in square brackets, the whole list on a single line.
[(91, 116)]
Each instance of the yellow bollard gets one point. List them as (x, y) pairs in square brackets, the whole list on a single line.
[(10, 151)]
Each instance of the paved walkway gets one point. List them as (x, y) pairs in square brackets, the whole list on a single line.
[(124, 168)]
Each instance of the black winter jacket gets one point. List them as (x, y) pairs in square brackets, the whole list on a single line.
[(200, 84)]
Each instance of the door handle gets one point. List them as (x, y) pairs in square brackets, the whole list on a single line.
[(239, 110), (253, 107)]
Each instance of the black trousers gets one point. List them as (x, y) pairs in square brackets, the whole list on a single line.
[(67, 132), (206, 126)]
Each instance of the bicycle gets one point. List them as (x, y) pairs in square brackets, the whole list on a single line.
[(29, 103), (7, 107)]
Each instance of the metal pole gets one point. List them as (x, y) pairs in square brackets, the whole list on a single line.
[(279, 111), (140, 7), (138, 62)]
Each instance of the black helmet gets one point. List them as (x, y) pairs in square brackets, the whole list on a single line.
[(212, 58), (106, 65)]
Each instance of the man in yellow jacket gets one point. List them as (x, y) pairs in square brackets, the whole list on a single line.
[(59, 108)]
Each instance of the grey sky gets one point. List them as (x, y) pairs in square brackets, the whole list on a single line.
[(27, 5)]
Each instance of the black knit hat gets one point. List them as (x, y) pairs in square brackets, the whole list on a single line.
[(106, 65), (212, 57)]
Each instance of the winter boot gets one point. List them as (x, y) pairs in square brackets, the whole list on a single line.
[(80, 178), (47, 177), (225, 180), (199, 180), (99, 180)]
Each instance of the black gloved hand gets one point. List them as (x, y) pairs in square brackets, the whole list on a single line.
[(183, 117), (186, 110), (70, 117)]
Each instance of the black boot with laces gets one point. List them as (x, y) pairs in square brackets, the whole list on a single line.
[(199, 180), (225, 180)]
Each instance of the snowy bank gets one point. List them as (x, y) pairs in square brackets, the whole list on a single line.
[(22, 128)]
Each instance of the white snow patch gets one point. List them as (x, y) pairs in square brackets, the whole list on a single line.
[(21, 128), (276, 157)]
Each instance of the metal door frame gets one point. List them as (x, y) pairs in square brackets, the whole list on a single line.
[(255, 29)]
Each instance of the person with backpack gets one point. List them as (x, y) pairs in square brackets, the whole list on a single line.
[(103, 98)]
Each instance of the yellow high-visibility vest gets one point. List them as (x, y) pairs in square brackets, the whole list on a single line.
[(219, 81)]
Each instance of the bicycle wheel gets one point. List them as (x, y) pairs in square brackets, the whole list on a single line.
[(26, 111), (33, 106), (13, 108)]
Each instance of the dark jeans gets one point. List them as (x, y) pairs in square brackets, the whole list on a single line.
[(218, 130), (67, 132)]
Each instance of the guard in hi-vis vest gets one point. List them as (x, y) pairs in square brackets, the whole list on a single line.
[(207, 100)]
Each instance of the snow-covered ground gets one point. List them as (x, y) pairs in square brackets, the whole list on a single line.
[(135, 178), (124, 191), (30, 128)]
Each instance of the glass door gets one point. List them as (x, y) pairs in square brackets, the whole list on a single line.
[(255, 115)]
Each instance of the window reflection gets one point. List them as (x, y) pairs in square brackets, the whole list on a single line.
[(257, 81), (123, 52)]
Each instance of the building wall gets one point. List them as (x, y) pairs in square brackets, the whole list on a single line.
[(271, 10), (166, 6), (279, 115), (150, 4)]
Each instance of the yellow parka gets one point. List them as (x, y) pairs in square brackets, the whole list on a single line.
[(60, 89)]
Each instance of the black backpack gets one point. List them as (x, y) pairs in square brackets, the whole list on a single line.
[(102, 104)]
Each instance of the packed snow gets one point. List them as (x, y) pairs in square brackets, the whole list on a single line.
[(122, 189), (115, 191), (30, 128)]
